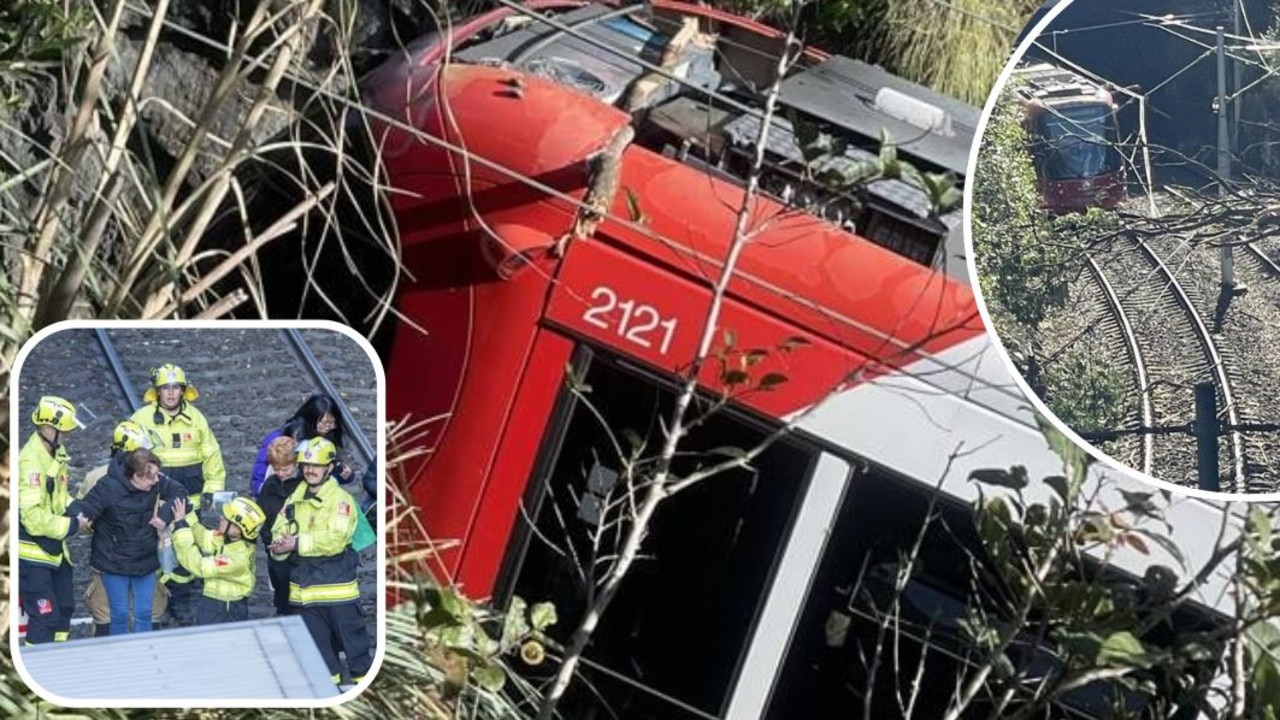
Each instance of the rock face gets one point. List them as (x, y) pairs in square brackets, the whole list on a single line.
[(333, 47)]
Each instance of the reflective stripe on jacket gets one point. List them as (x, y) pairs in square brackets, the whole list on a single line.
[(228, 568), (43, 498), (324, 569), (189, 450)]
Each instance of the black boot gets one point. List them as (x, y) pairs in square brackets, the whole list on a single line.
[(101, 629)]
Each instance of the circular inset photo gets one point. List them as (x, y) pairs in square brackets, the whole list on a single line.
[(1124, 221)]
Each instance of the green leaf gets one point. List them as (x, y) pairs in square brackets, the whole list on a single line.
[(730, 338), (1166, 544), (1259, 526), (734, 377), (1059, 485), (771, 380), (490, 677), (1075, 461), (753, 357), (1124, 650), (633, 206), (1081, 643), (1140, 503), (514, 626), (888, 150), (543, 616), (728, 451), (1001, 478), (458, 637), (633, 438), (453, 604), (793, 342)]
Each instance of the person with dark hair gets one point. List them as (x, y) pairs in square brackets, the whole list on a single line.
[(45, 522), (318, 417), (126, 511)]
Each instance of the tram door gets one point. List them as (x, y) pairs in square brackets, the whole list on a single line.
[(679, 636)]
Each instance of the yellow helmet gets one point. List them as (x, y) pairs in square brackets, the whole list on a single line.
[(246, 514), (129, 436), (57, 412), (316, 451), (169, 374)]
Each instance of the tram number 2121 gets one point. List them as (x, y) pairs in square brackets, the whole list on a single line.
[(637, 323)]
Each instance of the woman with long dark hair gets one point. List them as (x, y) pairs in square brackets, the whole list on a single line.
[(318, 417)]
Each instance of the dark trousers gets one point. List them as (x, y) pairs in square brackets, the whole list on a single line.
[(182, 596), (47, 597), (278, 572), (340, 627), (210, 611)]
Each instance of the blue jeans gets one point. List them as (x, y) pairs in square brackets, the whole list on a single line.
[(119, 587)]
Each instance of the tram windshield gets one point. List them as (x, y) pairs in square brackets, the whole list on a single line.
[(1077, 142)]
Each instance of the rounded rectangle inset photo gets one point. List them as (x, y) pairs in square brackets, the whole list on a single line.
[(194, 495)]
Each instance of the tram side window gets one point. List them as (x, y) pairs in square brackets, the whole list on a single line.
[(826, 673), (670, 644)]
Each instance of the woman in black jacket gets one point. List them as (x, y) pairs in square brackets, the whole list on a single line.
[(125, 519)]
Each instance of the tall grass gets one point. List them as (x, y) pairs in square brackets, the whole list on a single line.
[(957, 47)]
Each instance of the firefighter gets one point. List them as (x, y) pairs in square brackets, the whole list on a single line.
[(191, 456), (225, 558), (44, 564), (315, 528), (127, 437)]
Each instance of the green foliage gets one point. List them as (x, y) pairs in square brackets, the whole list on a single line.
[(1021, 266), (742, 369), (1084, 388), (827, 165), (957, 47), (1062, 621), (460, 636)]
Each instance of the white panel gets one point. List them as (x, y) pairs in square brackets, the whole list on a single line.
[(790, 586), (908, 423)]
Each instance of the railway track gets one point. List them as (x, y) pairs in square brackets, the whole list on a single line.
[(1268, 265), (1169, 360), (1131, 350), (129, 393)]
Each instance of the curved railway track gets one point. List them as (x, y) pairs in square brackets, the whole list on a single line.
[(1166, 369), (1134, 352), (1264, 259)]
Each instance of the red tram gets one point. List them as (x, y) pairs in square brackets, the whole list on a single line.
[(1074, 136), (491, 135)]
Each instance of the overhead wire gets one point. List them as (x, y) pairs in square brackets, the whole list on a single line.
[(914, 349)]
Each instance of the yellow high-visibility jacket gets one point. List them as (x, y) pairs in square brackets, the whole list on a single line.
[(189, 450), (324, 570), (43, 497), (228, 567)]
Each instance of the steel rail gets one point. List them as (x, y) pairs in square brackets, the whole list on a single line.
[(1219, 368), (1135, 355), (1270, 264), (311, 363), (117, 370)]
